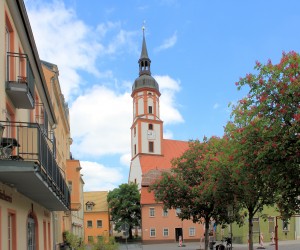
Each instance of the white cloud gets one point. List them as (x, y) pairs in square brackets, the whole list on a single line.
[(125, 159), (168, 110), (63, 39), (167, 43), (101, 121), (98, 177), (168, 134)]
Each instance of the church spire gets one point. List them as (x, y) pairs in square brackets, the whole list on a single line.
[(144, 61), (144, 53)]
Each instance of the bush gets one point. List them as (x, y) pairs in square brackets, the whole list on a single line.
[(73, 241), (105, 243)]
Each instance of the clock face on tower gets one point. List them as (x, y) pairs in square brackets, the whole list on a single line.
[(151, 134)]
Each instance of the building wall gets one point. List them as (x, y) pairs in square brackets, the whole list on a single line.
[(135, 174), (159, 222), (61, 132), (75, 183), (97, 211), (155, 137), (12, 201), (21, 209), (264, 223), (95, 231)]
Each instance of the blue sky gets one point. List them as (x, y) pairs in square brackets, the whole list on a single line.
[(198, 49)]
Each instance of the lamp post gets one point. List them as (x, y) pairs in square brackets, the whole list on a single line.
[(1, 131)]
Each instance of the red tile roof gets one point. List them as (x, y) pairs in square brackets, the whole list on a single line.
[(153, 165), (170, 148)]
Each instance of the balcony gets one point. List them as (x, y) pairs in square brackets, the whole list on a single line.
[(27, 163), (20, 81)]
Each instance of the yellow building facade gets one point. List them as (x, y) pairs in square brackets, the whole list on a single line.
[(96, 216), (35, 202)]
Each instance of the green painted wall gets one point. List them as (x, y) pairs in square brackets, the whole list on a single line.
[(263, 225)]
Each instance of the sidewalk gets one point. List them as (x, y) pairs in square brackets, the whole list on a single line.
[(283, 245)]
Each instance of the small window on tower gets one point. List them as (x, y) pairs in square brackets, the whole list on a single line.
[(150, 126), (151, 146), (135, 149), (150, 109), (134, 131)]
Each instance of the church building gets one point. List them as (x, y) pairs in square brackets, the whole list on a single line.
[(150, 154)]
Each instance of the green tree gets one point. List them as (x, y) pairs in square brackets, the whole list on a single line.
[(124, 205), (196, 184), (252, 190), (265, 131)]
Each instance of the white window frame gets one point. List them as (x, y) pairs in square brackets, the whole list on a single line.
[(165, 213), (151, 212), (152, 232), (166, 232), (101, 224), (192, 231), (89, 207)]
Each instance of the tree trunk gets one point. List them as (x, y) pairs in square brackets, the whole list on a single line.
[(130, 232), (206, 233), (250, 236)]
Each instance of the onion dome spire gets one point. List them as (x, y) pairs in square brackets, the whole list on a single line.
[(145, 80)]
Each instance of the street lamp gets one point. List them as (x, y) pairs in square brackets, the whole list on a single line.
[(1, 131)]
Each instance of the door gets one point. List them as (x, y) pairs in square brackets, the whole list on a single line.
[(30, 234), (178, 232)]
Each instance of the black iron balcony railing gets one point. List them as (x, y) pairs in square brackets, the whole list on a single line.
[(25, 142), (20, 80)]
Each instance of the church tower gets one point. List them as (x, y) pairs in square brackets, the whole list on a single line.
[(147, 128)]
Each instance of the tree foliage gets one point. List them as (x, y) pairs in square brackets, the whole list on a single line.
[(124, 205), (265, 133), (198, 184), (273, 106)]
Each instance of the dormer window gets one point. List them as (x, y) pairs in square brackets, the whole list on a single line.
[(89, 205)]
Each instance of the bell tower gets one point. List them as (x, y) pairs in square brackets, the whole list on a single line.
[(147, 128)]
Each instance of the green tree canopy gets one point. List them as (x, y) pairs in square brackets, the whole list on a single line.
[(124, 205)]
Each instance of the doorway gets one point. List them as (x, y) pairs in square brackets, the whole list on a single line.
[(30, 234), (178, 232)]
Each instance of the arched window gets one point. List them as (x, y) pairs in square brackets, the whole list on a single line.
[(31, 232)]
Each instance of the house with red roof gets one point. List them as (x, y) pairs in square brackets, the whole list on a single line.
[(151, 154)]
